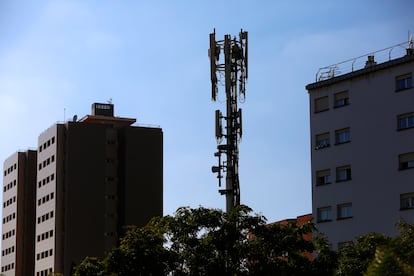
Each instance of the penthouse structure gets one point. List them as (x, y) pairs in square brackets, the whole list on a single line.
[(362, 150)]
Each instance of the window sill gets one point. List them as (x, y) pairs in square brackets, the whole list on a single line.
[(322, 147), (323, 221), (339, 106), (347, 142), (405, 169), (406, 208), (405, 128), (403, 89), (344, 218), (323, 184), (320, 111), (345, 180)]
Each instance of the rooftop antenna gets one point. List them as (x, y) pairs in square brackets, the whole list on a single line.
[(234, 72), (410, 48)]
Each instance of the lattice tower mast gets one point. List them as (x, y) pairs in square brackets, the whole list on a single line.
[(234, 73)]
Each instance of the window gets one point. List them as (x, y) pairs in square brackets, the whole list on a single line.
[(324, 214), (407, 201), (406, 161), (45, 217), (44, 254), (322, 140), (341, 99), (321, 104), (9, 218), (344, 211), (405, 121), (7, 267), (343, 173), (403, 82), (342, 136), (9, 234), (323, 177)]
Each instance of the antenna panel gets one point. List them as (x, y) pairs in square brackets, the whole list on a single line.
[(239, 114), (213, 67), (219, 128)]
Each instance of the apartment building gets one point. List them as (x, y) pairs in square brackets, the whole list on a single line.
[(18, 224), (73, 196), (94, 176), (362, 150)]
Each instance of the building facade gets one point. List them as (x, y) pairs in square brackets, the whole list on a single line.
[(91, 178), (95, 176), (18, 224), (362, 150)]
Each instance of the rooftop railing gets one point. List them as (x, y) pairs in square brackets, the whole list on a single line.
[(361, 62)]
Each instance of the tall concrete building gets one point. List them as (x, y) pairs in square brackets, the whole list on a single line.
[(362, 150), (91, 178), (94, 176), (18, 228)]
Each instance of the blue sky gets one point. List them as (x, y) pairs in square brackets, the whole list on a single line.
[(150, 58)]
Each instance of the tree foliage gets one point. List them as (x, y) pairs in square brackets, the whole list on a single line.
[(90, 266), (141, 252), (356, 256), (327, 260), (206, 241), (378, 255), (396, 257)]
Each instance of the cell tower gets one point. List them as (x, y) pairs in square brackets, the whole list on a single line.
[(234, 73)]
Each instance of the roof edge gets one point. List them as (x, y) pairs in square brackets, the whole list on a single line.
[(360, 72)]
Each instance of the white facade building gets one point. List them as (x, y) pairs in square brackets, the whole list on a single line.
[(362, 149), (17, 247)]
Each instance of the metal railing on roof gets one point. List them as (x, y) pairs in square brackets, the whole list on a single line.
[(353, 64)]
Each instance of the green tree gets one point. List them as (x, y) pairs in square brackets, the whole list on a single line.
[(355, 257), (279, 249), (386, 263), (397, 257), (284, 249), (141, 252), (404, 243), (231, 241), (326, 260), (90, 266), (206, 241)]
